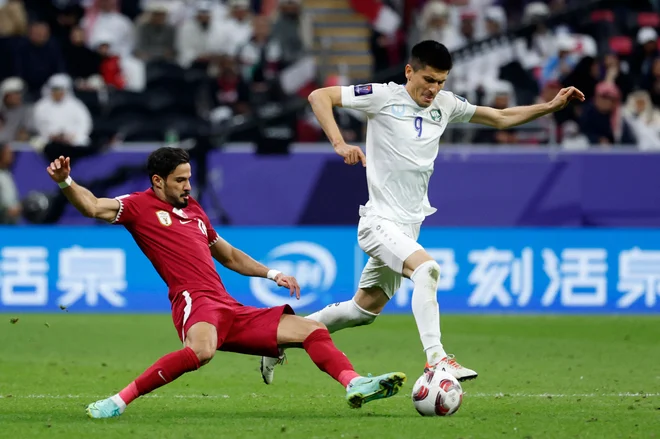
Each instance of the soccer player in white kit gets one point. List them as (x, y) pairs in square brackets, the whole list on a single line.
[(403, 133)]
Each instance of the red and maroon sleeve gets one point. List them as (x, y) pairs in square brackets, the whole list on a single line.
[(129, 208), (210, 231)]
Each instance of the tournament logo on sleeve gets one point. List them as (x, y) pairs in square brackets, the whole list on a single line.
[(363, 89), (460, 98)]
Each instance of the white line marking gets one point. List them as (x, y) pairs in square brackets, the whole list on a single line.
[(467, 394), (560, 395)]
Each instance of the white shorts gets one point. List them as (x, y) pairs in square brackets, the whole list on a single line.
[(388, 244)]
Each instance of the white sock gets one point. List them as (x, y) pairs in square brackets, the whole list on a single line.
[(351, 382), (120, 402), (343, 315), (426, 310)]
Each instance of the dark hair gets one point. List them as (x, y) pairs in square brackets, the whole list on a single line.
[(430, 53), (163, 161)]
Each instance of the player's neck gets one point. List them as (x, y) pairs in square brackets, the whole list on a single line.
[(410, 93), (160, 195)]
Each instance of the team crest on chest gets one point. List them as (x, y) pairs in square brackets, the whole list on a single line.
[(164, 218), (436, 115)]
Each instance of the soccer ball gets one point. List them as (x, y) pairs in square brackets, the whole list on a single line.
[(437, 393)]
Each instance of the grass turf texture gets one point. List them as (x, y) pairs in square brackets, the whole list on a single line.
[(539, 377)]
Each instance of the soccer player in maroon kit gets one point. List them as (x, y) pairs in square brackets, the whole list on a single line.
[(173, 231)]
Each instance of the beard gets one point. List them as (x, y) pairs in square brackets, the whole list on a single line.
[(180, 202)]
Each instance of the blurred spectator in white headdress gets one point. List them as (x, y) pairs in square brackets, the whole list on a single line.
[(535, 49), (572, 138), (645, 52), (201, 38), (433, 24), (237, 25), (103, 19), (179, 11), (60, 117), (155, 35), (559, 65), (292, 30), (644, 119), (16, 117)]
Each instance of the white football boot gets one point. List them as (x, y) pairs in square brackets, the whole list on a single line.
[(449, 364), (268, 367)]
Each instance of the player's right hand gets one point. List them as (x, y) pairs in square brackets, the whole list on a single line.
[(351, 154), (59, 169), (289, 282)]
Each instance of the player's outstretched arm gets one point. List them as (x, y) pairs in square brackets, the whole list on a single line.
[(322, 101), (514, 116), (241, 263), (81, 198)]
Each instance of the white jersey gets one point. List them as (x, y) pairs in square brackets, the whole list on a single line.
[(402, 145)]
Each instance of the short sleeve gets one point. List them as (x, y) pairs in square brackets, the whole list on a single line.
[(370, 98), (211, 234), (129, 209), (463, 110)]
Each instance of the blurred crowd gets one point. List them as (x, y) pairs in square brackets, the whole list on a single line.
[(611, 54), (211, 60), (78, 75), (82, 53)]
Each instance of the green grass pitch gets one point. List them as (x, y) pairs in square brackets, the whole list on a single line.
[(540, 377)]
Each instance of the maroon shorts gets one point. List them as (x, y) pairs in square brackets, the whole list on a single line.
[(241, 329)]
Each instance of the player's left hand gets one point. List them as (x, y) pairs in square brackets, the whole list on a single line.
[(565, 96), (289, 282)]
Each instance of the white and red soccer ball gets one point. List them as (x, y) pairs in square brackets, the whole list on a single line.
[(437, 393)]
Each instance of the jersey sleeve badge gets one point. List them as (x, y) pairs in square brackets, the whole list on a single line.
[(363, 90)]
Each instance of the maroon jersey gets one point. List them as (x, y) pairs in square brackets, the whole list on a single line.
[(176, 241)]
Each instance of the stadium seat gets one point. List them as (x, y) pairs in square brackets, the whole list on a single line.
[(650, 19), (601, 25), (602, 15), (621, 45)]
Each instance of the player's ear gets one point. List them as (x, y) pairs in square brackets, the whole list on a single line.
[(409, 72), (157, 181)]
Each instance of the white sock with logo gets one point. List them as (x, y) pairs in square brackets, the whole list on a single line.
[(426, 310), (120, 402), (343, 315)]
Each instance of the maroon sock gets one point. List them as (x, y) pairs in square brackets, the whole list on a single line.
[(163, 371), (328, 358)]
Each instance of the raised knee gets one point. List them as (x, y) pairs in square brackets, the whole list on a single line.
[(314, 325), (433, 270), (204, 352), (429, 270)]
